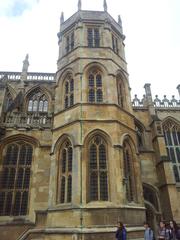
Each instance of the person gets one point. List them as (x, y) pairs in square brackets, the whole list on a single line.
[(121, 232), (163, 233), (148, 233), (174, 231)]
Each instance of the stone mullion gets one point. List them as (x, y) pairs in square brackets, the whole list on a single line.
[(66, 178), (14, 191)]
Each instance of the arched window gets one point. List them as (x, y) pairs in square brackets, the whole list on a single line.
[(98, 170), (128, 172), (120, 92), (65, 172), (15, 180), (38, 102), (95, 92), (69, 92), (172, 140)]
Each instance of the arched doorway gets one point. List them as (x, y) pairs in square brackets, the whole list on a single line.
[(153, 213)]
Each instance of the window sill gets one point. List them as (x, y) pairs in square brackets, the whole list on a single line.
[(15, 220)]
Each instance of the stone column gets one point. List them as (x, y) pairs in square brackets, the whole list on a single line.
[(77, 171), (150, 104)]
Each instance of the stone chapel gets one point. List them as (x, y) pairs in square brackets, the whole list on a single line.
[(77, 153)]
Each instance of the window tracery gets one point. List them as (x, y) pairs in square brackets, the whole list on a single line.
[(65, 172), (172, 140), (98, 170), (15, 180), (128, 172), (38, 102), (69, 92), (95, 87), (93, 37)]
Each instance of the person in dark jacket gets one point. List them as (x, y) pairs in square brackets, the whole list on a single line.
[(121, 232), (174, 231), (163, 233)]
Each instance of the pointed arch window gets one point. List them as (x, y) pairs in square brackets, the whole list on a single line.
[(95, 87), (128, 172), (69, 92), (98, 170), (65, 172), (38, 102), (172, 140), (15, 180)]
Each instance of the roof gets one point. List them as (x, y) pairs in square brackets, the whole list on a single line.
[(91, 16)]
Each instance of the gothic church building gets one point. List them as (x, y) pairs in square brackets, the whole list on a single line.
[(76, 153)]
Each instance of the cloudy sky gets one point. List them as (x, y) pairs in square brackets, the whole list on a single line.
[(152, 29)]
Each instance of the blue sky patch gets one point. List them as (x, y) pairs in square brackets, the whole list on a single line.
[(18, 8), (15, 8)]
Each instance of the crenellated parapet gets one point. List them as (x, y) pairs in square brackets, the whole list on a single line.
[(31, 76), (158, 103)]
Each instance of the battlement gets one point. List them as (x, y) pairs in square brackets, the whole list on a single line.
[(31, 76), (158, 103)]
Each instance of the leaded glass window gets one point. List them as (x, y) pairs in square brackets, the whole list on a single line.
[(38, 102), (69, 92), (128, 172), (93, 37), (65, 172), (98, 171), (172, 140), (70, 42), (95, 93), (15, 179)]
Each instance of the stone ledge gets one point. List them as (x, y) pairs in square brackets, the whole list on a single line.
[(78, 231)]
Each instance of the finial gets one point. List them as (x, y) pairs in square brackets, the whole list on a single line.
[(25, 64), (62, 18), (105, 6), (79, 5), (119, 20), (178, 88)]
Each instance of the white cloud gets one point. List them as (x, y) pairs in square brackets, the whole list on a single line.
[(15, 7), (151, 28)]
